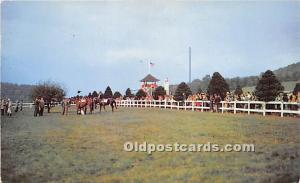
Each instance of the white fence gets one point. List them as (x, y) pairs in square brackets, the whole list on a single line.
[(234, 106)]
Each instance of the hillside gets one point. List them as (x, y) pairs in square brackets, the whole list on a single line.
[(285, 74), (16, 92)]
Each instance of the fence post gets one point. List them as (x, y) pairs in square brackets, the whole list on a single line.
[(165, 103), (177, 105), (248, 107), (281, 105), (193, 103), (202, 106), (234, 107), (185, 105), (264, 109), (222, 106)]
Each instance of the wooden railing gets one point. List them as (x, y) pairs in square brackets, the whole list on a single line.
[(234, 106)]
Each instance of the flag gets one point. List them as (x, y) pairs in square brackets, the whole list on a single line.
[(151, 64)]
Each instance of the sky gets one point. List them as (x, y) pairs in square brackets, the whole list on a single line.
[(88, 46)]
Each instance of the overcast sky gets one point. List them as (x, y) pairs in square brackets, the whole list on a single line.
[(90, 45)]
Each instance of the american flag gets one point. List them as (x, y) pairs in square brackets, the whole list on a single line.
[(151, 64)]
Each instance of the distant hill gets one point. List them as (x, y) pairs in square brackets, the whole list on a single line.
[(16, 92), (288, 75)]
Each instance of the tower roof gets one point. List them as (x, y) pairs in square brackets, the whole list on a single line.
[(149, 78)]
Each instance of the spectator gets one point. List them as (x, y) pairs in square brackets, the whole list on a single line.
[(9, 107), (41, 106), (21, 105), (36, 107), (2, 107), (17, 106)]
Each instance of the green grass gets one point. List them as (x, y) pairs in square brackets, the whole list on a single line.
[(57, 148)]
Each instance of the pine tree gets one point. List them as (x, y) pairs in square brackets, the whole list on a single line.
[(218, 85), (182, 92), (117, 95), (94, 94), (199, 89), (140, 94), (159, 91), (108, 93), (128, 93), (238, 91), (296, 89), (268, 87)]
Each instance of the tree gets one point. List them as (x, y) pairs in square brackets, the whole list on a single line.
[(128, 93), (90, 94), (182, 92), (140, 94), (50, 91), (238, 91), (296, 89), (159, 91), (117, 95), (94, 94), (108, 93), (218, 85), (268, 87), (199, 89)]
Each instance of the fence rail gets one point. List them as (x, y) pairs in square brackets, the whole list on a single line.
[(234, 106)]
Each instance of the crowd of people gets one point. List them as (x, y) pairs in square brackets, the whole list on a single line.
[(7, 106), (215, 100), (214, 104)]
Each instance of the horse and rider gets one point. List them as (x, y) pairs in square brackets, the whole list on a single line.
[(83, 103)]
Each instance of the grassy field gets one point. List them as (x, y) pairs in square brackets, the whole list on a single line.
[(57, 148)]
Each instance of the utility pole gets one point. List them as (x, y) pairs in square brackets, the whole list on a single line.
[(190, 65)]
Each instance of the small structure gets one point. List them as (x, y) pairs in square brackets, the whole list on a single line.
[(149, 84), (167, 86)]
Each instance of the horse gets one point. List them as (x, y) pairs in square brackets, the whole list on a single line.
[(90, 104), (105, 102), (81, 105)]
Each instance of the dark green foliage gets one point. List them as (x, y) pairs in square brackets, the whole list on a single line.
[(50, 91), (218, 85), (140, 94), (182, 92), (199, 90), (268, 87), (117, 95), (108, 93), (159, 91), (296, 89), (128, 93), (94, 94), (238, 91), (288, 73)]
